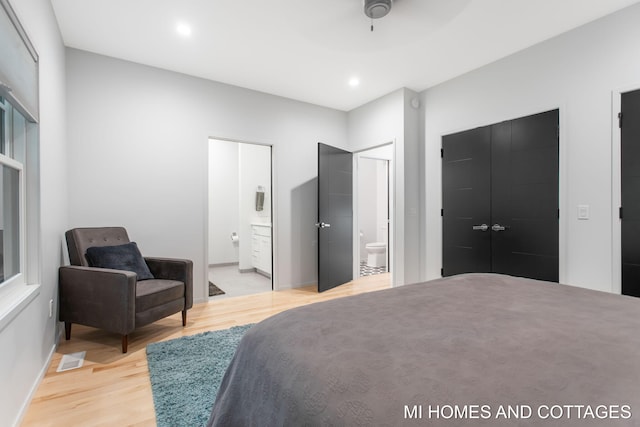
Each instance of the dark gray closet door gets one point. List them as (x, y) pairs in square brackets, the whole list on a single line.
[(335, 217), (500, 199), (466, 202), (524, 197), (630, 186)]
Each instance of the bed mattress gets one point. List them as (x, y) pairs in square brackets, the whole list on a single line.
[(474, 349)]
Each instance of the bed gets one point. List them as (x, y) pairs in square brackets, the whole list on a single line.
[(474, 349)]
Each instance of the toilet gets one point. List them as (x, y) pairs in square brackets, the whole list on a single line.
[(376, 254)]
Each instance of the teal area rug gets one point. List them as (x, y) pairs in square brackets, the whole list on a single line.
[(186, 374)]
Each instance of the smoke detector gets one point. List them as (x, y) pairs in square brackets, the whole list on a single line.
[(375, 9)]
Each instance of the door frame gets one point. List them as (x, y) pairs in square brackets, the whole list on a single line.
[(563, 194), (274, 212), (391, 228), (616, 187)]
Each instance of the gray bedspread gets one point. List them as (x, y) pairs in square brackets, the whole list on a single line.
[(476, 349)]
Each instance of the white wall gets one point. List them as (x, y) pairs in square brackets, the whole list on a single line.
[(138, 157), (367, 203), (382, 201), (391, 118), (28, 341), (577, 73), (255, 170), (372, 201), (235, 171), (224, 201)]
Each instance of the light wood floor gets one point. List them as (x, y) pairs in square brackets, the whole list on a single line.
[(113, 389)]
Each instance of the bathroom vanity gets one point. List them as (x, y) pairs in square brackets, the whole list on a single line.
[(261, 248)]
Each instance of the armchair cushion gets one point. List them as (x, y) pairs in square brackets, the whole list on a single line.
[(120, 257), (155, 292)]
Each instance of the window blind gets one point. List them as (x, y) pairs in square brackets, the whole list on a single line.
[(18, 64)]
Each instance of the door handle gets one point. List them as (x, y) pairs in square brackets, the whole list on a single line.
[(322, 225), (498, 227), (483, 227)]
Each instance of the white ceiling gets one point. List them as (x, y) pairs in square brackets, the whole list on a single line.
[(309, 49)]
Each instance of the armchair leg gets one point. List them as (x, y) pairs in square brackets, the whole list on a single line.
[(125, 343), (184, 317), (67, 330)]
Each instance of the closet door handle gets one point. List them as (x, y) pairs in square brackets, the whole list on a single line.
[(498, 227), (483, 227), (322, 225)]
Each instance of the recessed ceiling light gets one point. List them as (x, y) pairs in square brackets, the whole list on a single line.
[(183, 29), (354, 82)]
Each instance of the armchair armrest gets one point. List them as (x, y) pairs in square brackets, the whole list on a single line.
[(174, 269), (98, 297)]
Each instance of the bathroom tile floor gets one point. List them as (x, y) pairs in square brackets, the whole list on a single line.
[(236, 284), (366, 270)]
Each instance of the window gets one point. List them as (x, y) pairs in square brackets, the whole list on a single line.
[(12, 149), (19, 168)]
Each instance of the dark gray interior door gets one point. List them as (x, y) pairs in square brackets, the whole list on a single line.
[(500, 199), (630, 187), (524, 197), (466, 202), (335, 217)]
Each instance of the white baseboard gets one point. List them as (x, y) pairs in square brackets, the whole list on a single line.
[(224, 264), (34, 387)]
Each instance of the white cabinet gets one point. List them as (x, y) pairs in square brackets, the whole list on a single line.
[(261, 247)]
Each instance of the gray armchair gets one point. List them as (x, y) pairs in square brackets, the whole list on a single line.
[(115, 300)]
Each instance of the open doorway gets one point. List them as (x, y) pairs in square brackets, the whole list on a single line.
[(373, 201), (240, 219)]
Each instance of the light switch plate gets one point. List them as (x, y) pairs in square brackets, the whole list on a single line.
[(583, 211)]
